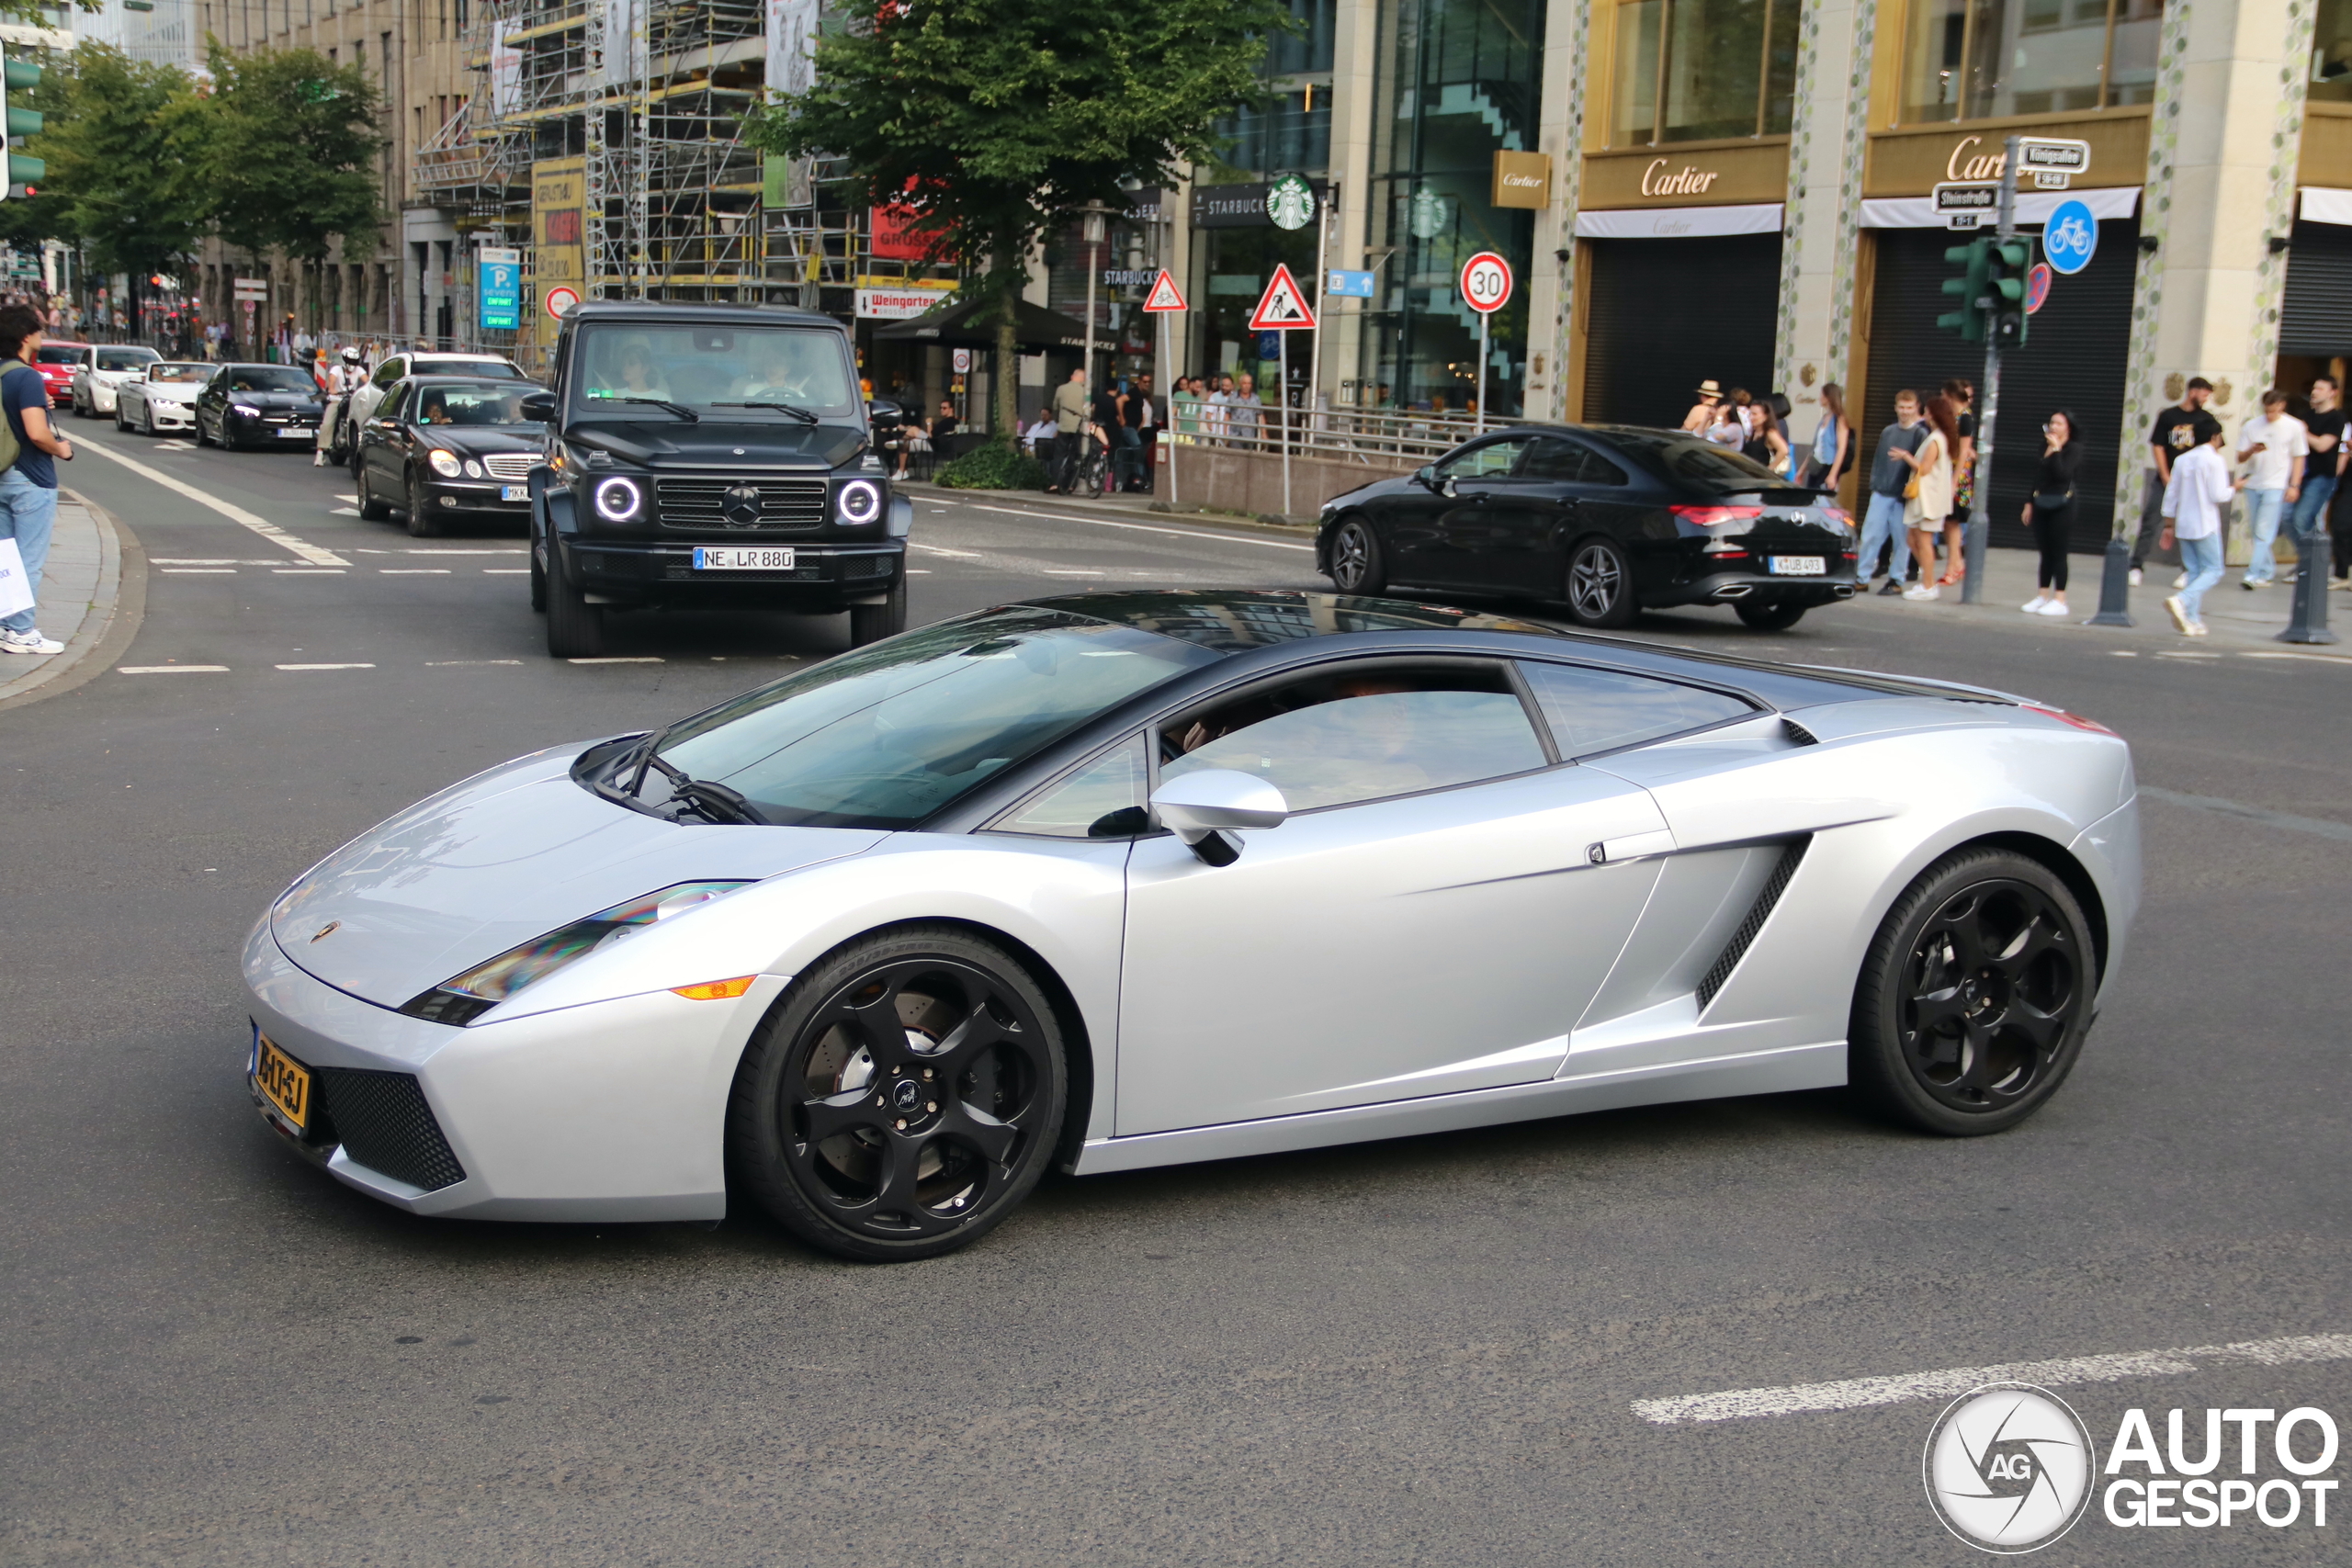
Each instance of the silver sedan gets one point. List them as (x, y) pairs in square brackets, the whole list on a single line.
[(1114, 880)]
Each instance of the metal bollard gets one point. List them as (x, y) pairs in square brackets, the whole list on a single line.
[(2310, 622), (1972, 553), (2114, 586)]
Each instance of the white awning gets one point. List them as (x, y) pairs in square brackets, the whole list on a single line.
[(1679, 222), (2033, 207), (2323, 206)]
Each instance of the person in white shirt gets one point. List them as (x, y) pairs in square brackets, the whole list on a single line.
[(2194, 500), (2274, 448), (1040, 435)]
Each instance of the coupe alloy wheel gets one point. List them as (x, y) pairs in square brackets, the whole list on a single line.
[(1601, 588), (1355, 560), (1987, 993)]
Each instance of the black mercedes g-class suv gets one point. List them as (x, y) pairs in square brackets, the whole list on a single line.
[(714, 455)]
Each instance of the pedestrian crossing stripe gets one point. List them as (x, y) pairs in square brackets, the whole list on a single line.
[(1283, 308), (1164, 295)]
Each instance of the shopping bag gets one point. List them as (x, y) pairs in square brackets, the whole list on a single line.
[(15, 592)]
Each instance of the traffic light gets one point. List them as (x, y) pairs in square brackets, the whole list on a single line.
[(2006, 284), (19, 173), (1971, 285)]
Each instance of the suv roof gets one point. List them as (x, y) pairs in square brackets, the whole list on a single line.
[(667, 311), (420, 356)]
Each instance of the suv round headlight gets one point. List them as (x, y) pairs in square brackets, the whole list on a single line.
[(444, 463), (617, 499), (860, 501)]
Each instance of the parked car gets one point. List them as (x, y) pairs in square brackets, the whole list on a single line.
[(710, 456), (1111, 881), (103, 369), (258, 405), (161, 397), (440, 448), (1607, 520), (57, 360), (398, 367)]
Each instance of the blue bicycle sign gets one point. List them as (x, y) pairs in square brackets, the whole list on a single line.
[(2071, 237)]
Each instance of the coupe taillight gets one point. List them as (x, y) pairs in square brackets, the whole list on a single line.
[(2063, 716), (1715, 516)]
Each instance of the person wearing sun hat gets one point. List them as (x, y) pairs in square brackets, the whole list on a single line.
[(1702, 412)]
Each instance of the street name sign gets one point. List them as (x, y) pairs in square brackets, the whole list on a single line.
[(2052, 159), (1967, 204)]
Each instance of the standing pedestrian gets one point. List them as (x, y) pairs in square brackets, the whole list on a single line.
[(1145, 417), (1185, 409), (1833, 442), (1891, 476), (2323, 469), (1219, 416), (2177, 431), (29, 487), (1786, 458), (1070, 430), (1702, 412), (2051, 513), (2273, 449), (1728, 431), (1963, 392), (1242, 413), (1930, 495), (2193, 506)]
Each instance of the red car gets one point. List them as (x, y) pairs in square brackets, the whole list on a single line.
[(56, 362)]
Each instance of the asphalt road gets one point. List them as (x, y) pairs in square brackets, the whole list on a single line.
[(1418, 1351)]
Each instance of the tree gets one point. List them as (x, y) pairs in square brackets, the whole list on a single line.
[(289, 152), (999, 121)]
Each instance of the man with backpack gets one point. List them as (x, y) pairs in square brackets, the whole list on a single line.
[(28, 482)]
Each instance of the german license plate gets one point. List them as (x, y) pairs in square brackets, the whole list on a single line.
[(1797, 565), (514, 493), (283, 1081), (739, 558), (297, 435)]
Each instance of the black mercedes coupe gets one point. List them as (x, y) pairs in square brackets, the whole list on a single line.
[(1607, 520)]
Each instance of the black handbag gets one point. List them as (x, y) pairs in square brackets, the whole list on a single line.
[(2046, 501)]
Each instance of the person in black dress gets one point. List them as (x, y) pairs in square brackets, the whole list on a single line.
[(2051, 513)]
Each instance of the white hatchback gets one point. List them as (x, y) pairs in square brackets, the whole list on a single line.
[(104, 369)]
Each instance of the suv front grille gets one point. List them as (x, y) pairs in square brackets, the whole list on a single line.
[(386, 1125), (703, 503)]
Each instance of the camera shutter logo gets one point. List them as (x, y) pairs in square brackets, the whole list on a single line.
[(2008, 1468)]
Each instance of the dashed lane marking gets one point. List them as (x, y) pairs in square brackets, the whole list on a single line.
[(325, 666), (171, 670), (478, 550), (639, 658), (1071, 571), (343, 512), (1146, 528), (939, 550), (306, 572), (465, 663), (411, 572), (1856, 1393), (237, 515), (200, 571), (506, 571)]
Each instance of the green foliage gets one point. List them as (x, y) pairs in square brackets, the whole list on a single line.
[(999, 121), (290, 151), (996, 465), (119, 137)]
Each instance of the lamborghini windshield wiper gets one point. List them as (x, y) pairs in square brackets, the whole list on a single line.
[(794, 409), (679, 409), (713, 802)]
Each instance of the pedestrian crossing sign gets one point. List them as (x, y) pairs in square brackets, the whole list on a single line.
[(1283, 308), (1163, 295)]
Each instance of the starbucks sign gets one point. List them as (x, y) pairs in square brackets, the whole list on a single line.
[(1290, 202)]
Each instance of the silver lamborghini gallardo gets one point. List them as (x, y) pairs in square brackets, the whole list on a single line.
[(1112, 880)]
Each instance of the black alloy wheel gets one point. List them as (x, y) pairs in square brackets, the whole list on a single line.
[(422, 523), (539, 583), (1357, 565), (872, 623), (1975, 996), (575, 627), (1769, 615), (903, 1096), (201, 438), (1600, 585)]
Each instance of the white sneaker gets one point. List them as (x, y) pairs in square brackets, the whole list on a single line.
[(2251, 583), (2033, 605), (2197, 628), (2179, 615), (29, 642), (1918, 590), (2055, 607), (2181, 582), (2134, 578)]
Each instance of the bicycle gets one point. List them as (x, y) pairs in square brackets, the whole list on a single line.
[(1093, 466)]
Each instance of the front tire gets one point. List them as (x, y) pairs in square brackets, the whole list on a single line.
[(1974, 996), (575, 627), (201, 439), (902, 1098), (1358, 566), (538, 583), (1600, 585), (1768, 615), (872, 623), (422, 523)]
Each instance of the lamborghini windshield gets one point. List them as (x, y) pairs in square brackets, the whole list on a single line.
[(885, 738)]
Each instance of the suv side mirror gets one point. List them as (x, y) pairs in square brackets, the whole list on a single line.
[(539, 406), (1200, 807)]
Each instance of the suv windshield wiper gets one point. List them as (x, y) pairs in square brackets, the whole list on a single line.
[(679, 409), (803, 415), (713, 802)]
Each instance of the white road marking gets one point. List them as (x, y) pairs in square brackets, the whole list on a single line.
[(171, 670), (937, 550), (506, 571), (2122, 653), (236, 515), (639, 660), (411, 572), (201, 560), (175, 446), (306, 572), (1069, 572), (1145, 528), (2183, 654), (2307, 658), (2268, 819), (343, 512), (200, 571), (493, 551), (1856, 1393), (326, 667), (918, 571), (353, 498), (465, 663)]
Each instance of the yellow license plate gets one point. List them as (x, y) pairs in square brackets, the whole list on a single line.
[(284, 1081)]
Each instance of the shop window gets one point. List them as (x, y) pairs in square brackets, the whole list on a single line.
[(2331, 52), (1704, 70), (1980, 58)]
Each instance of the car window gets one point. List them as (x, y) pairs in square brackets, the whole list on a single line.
[(125, 358), (1599, 710), (1103, 799), (739, 369), (471, 405), (269, 378), (394, 405), (62, 354), (1549, 457), (1348, 736), (486, 369), (179, 372), (391, 371), (1691, 461), (1491, 461), (1600, 470)]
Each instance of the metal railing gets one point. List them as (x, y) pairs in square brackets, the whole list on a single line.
[(1371, 437)]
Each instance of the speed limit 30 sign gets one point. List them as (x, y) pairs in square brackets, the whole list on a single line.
[(1485, 283)]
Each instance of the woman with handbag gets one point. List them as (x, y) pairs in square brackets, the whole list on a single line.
[(2051, 513), (1928, 497)]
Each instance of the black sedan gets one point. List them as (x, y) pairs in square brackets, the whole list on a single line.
[(1608, 520), (441, 446), (259, 405)]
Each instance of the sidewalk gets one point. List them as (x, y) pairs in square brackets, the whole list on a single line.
[(82, 599)]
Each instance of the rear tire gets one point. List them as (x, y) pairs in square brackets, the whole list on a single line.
[(1769, 615), (575, 627), (872, 623), (422, 523), (1358, 565), (1974, 996), (371, 509), (1600, 585)]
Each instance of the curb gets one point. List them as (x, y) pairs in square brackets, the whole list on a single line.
[(116, 608)]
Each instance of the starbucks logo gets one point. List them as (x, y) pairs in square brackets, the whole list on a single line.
[(1290, 202)]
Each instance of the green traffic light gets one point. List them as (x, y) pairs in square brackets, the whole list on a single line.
[(21, 74), (25, 171), (24, 122)]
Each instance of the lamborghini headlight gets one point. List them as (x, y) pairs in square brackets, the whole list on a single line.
[(461, 999)]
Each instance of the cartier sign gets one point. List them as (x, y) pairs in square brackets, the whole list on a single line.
[(1971, 160), (1659, 180)]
